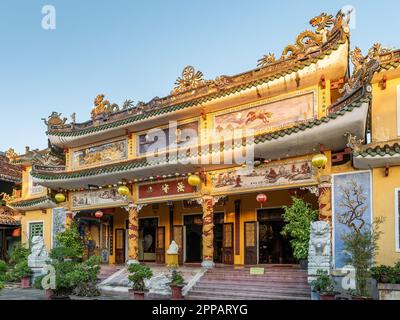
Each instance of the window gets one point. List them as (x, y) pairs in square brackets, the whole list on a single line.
[(397, 217), (36, 229)]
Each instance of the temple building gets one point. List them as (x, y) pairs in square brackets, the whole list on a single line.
[(10, 227), (211, 165)]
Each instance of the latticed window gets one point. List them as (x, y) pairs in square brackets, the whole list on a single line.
[(36, 229)]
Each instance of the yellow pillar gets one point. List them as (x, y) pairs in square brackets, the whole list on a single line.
[(133, 235), (208, 231)]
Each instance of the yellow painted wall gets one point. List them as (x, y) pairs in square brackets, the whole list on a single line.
[(384, 111), (37, 216), (384, 205)]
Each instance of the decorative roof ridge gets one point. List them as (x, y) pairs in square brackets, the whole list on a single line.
[(379, 149), (192, 89)]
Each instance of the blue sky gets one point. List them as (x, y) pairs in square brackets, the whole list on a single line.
[(137, 49)]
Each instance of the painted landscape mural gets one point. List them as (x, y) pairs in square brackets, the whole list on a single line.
[(103, 197), (269, 116), (108, 152), (351, 205), (263, 176)]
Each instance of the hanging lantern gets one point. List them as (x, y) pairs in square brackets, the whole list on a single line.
[(123, 190), (16, 233), (261, 198), (98, 214), (194, 180), (319, 161), (60, 197)]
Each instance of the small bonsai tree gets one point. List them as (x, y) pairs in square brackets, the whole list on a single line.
[(298, 218), (323, 284), (22, 270), (177, 279), (361, 240), (386, 274), (139, 273), (84, 276)]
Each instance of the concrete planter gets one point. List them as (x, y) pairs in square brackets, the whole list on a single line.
[(388, 291), (176, 293), (136, 295), (327, 296), (25, 282)]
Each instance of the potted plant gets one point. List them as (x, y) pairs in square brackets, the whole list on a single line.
[(298, 218), (388, 281), (177, 283), (324, 286), (24, 273), (138, 273), (84, 276)]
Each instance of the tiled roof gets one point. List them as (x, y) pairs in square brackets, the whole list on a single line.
[(143, 163), (30, 203), (379, 151), (7, 217)]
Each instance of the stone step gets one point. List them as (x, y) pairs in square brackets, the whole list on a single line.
[(266, 285), (213, 295), (253, 290), (252, 278)]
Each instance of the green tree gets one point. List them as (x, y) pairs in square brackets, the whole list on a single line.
[(298, 218)]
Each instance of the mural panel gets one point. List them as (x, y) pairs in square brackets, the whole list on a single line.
[(34, 188), (58, 223), (108, 152), (351, 205), (104, 197), (269, 116), (159, 139), (263, 176)]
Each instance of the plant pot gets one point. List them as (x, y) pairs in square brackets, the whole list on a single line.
[(389, 291), (315, 295), (360, 298), (48, 293), (136, 295), (176, 292), (303, 264), (53, 297), (25, 282), (327, 296)]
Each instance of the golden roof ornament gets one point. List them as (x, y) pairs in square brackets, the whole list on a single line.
[(308, 40), (54, 120), (189, 80), (364, 67), (11, 154)]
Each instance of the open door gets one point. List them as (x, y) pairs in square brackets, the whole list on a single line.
[(250, 243), (160, 245), (178, 238), (227, 243), (119, 246)]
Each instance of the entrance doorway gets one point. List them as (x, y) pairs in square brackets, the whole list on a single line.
[(273, 247), (147, 239), (193, 237)]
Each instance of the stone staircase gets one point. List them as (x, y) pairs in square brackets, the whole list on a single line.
[(107, 270), (280, 282)]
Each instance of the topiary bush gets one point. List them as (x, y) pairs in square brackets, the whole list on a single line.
[(139, 273), (298, 218)]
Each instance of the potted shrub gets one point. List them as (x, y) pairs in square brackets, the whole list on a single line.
[(388, 281), (138, 273), (84, 276), (177, 283), (324, 286), (298, 218), (24, 273)]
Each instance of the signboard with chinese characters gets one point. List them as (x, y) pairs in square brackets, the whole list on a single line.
[(165, 189), (264, 176), (98, 199)]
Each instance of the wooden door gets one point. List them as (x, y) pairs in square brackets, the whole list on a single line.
[(178, 238), (227, 243), (250, 243), (120, 246), (160, 245)]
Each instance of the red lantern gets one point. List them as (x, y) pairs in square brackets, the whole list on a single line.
[(261, 198), (98, 214), (16, 233)]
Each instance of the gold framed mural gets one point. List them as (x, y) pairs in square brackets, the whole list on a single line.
[(295, 172), (98, 199), (107, 152), (269, 114)]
